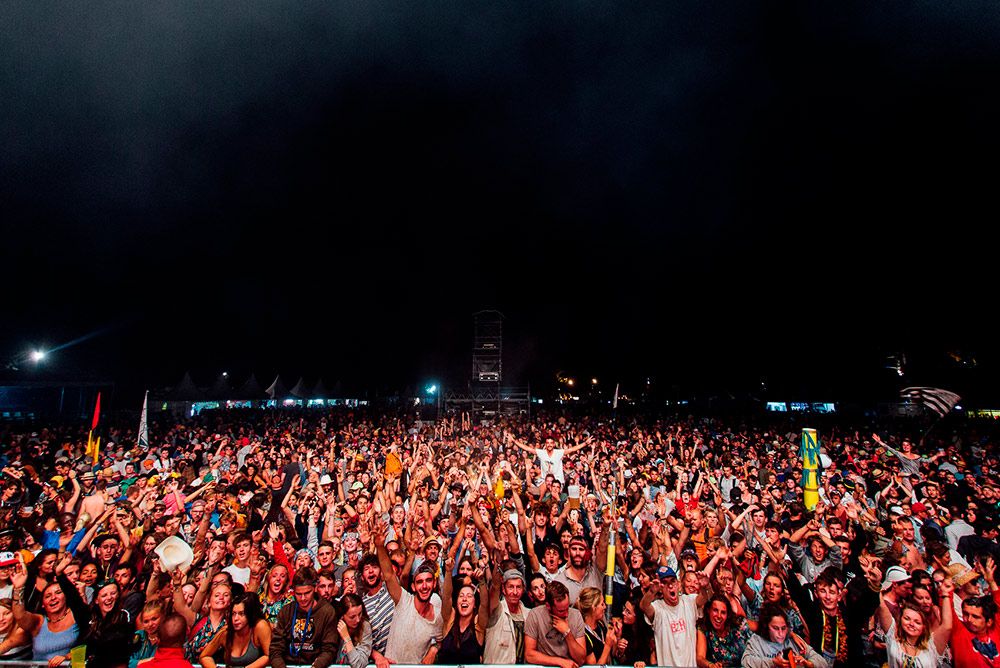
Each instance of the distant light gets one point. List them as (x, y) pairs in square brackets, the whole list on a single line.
[(593, 381), (37, 356), (958, 408), (431, 389), (569, 381), (225, 374)]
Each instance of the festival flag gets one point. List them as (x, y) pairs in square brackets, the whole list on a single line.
[(94, 446), (614, 403), (143, 441), (939, 401)]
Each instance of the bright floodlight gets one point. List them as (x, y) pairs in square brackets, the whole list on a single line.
[(37, 355), (431, 389)]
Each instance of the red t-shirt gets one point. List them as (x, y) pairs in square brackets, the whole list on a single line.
[(971, 651)]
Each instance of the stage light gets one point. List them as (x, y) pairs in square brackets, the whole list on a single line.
[(225, 374), (569, 381), (431, 389), (593, 381), (37, 356)]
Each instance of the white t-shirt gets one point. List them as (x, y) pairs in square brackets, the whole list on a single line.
[(240, 575), (411, 633), (551, 463), (675, 632)]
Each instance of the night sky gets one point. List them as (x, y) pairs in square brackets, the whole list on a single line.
[(705, 193)]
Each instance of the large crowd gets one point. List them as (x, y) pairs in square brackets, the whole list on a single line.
[(256, 538)]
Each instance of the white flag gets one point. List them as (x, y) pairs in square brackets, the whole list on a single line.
[(143, 428), (614, 404)]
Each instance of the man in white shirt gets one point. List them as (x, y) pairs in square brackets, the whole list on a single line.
[(240, 568), (673, 616), (417, 618), (551, 457)]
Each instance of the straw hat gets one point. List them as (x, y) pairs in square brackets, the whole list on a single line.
[(174, 553)]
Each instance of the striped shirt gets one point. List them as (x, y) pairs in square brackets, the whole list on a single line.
[(379, 607)]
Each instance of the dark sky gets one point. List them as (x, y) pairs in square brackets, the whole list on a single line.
[(703, 192)]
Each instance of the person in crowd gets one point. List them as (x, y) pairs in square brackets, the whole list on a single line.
[(147, 635), (465, 632), (203, 627), (64, 619), (722, 635), (109, 637), (774, 645), (601, 641), (418, 617), (835, 614), (355, 633), (306, 630), (245, 642), (673, 616), (15, 643), (678, 493), (170, 652), (911, 639), (554, 633), (636, 644), (976, 640), (507, 612)]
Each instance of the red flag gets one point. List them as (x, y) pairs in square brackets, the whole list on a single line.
[(97, 413)]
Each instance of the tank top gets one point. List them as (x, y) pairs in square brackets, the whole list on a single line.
[(47, 644), (251, 654), (465, 651)]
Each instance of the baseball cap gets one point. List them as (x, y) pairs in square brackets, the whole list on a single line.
[(665, 572), (893, 575), (918, 507)]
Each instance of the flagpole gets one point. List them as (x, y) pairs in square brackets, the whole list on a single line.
[(920, 444), (614, 404)]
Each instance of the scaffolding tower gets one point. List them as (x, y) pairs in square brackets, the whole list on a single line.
[(487, 347), (486, 394)]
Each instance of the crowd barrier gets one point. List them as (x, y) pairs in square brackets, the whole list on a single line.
[(44, 664)]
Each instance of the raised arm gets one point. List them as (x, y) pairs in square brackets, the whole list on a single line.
[(529, 450), (180, 606), (942, 634), (28, 621), (601, 556), (70, 506), (388, 574)]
